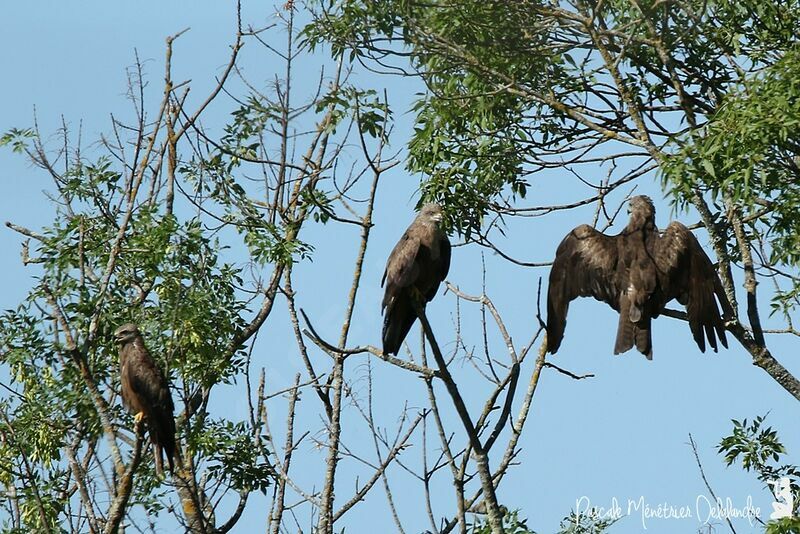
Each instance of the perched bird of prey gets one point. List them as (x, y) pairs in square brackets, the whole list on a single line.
[(416, 267), (145, 392), (637, 273)]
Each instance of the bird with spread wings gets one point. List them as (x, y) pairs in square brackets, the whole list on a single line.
[(416, 267), (145, 391), (637, 272)]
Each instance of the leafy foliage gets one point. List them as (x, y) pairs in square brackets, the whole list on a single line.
[(572, 524), (513, 90), (759, 449), (232, 456), (512, 524), (585, 524), (706, 92), (756, 446), (750, 149), (786, 525), (17, 139), (168, 278)]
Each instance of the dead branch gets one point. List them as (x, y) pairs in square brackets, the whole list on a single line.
[(117, 510), (481, 458), (568, 373)]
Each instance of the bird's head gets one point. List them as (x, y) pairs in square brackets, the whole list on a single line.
[(642, 206), (126, 333), (431, 213)]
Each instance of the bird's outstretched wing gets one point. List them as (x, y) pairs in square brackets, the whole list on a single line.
[(585, 265), (687, 274)]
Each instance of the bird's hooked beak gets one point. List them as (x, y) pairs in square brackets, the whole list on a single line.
[(125, 333)]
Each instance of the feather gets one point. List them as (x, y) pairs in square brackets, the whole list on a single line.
[(585, 265), (145, 390), (637, 272), (416, 267)]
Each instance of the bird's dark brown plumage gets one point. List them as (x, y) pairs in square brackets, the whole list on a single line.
[(418, 263), (637, 272), (145, 391)]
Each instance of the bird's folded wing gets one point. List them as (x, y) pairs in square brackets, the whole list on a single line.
[(401, 267), (150, 385)]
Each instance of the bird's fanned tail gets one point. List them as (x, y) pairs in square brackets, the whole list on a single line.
[(158, 457), (630, 333), (642, 337), (625, 328), (163, 441)]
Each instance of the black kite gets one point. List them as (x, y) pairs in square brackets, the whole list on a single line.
[(637, 272), (145, 391), (415, 269)]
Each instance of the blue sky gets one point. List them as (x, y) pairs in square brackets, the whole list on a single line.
[(622, 434)]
